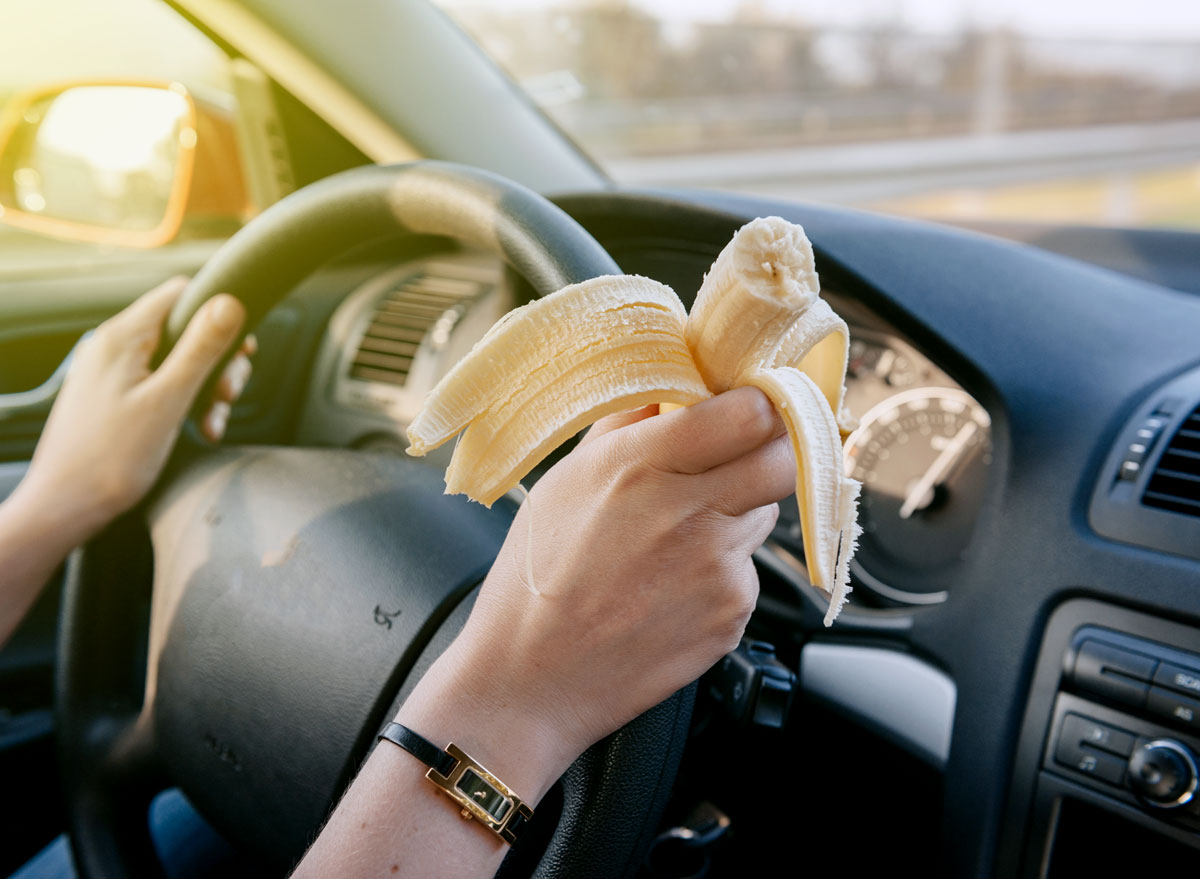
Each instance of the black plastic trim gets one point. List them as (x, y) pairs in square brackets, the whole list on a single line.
[(1025, 828), (1116, 509)]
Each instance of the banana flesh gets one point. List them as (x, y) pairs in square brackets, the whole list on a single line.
[(552, 367), (760, 306)]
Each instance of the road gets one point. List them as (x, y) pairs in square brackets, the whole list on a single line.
[(873, 171)]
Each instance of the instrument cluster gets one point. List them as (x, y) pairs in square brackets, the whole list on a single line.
[(921, 450)]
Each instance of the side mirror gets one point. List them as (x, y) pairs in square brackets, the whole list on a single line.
[(108, 164)]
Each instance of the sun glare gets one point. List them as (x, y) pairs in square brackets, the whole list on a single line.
[(113, 128)]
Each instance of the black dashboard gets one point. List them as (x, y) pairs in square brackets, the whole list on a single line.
[(1000, 391)]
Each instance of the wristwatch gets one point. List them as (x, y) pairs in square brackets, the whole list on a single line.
[(478, 793)]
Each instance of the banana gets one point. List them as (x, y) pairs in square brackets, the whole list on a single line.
[(550, 368), (759, 306)]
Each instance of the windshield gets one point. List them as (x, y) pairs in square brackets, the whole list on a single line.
[(1060, 112)]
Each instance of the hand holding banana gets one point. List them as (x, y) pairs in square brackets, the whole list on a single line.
[(552, 367)]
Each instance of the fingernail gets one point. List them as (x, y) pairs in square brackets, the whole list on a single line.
[(241, 375), (226, 313), (218, 419)]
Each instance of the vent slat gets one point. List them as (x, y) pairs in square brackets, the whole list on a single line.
[(1169, 499), (1183, 453), (417, 309), (401, 320), (388, 361), (366, 373), (446, 286), (1176, 474), (388, 346), (400, 334), (413, 321), (1175, 483), (437, 299)]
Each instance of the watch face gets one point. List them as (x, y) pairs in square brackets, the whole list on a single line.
[(484, 795)]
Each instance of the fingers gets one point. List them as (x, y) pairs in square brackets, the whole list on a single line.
[(150, 309), (760, 522), (132, 335), (233, 379), (215, 420), (709, 433), (208, 337), (762, 477), (615, 422)]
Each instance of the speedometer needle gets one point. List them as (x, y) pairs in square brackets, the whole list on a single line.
[(938, 469)]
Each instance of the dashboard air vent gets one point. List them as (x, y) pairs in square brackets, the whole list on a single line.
[(1175, 483), (403, 317)]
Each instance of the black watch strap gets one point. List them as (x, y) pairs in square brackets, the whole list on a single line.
[(420, 747), (479, 794)]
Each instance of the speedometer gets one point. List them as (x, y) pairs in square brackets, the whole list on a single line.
[(922, 457)]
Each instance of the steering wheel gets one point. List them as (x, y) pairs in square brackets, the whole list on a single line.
[(298, 593)]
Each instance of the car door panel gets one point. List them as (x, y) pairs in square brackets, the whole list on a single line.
[(30, 810)]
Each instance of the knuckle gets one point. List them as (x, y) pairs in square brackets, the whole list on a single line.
[(755, 416), (105, 340), (764, 518), (143, 343), (731, 632), (747, 597), (694, 533), (627, 474)]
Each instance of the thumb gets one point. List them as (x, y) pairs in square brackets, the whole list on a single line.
[(209, 336)]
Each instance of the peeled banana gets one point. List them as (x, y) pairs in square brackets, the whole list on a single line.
[(547, 370), (552, 367)]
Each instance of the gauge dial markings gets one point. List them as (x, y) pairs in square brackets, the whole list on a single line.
[(920, 494), (922, 456)]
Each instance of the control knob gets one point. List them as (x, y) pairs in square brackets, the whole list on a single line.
[(1163, 774)]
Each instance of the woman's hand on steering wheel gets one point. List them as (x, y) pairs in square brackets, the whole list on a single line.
[(110, 432), (117, 418)]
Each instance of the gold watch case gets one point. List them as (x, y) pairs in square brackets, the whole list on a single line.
[(482, 796)]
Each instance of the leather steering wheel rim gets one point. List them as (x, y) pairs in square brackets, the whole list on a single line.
[(614, 793), (283, 245)]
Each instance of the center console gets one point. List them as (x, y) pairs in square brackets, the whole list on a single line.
[(1106, 777)]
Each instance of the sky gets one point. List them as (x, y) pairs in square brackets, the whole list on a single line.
[(1175, 20)]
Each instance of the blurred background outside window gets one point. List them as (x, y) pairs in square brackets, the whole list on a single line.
[(1057, 111)]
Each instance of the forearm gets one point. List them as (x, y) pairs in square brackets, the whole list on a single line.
[(35, 538), (394, 822)]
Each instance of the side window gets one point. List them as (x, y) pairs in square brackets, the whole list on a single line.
[(118, 128)]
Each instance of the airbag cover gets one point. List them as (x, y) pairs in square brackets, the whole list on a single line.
[(294, 589)]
